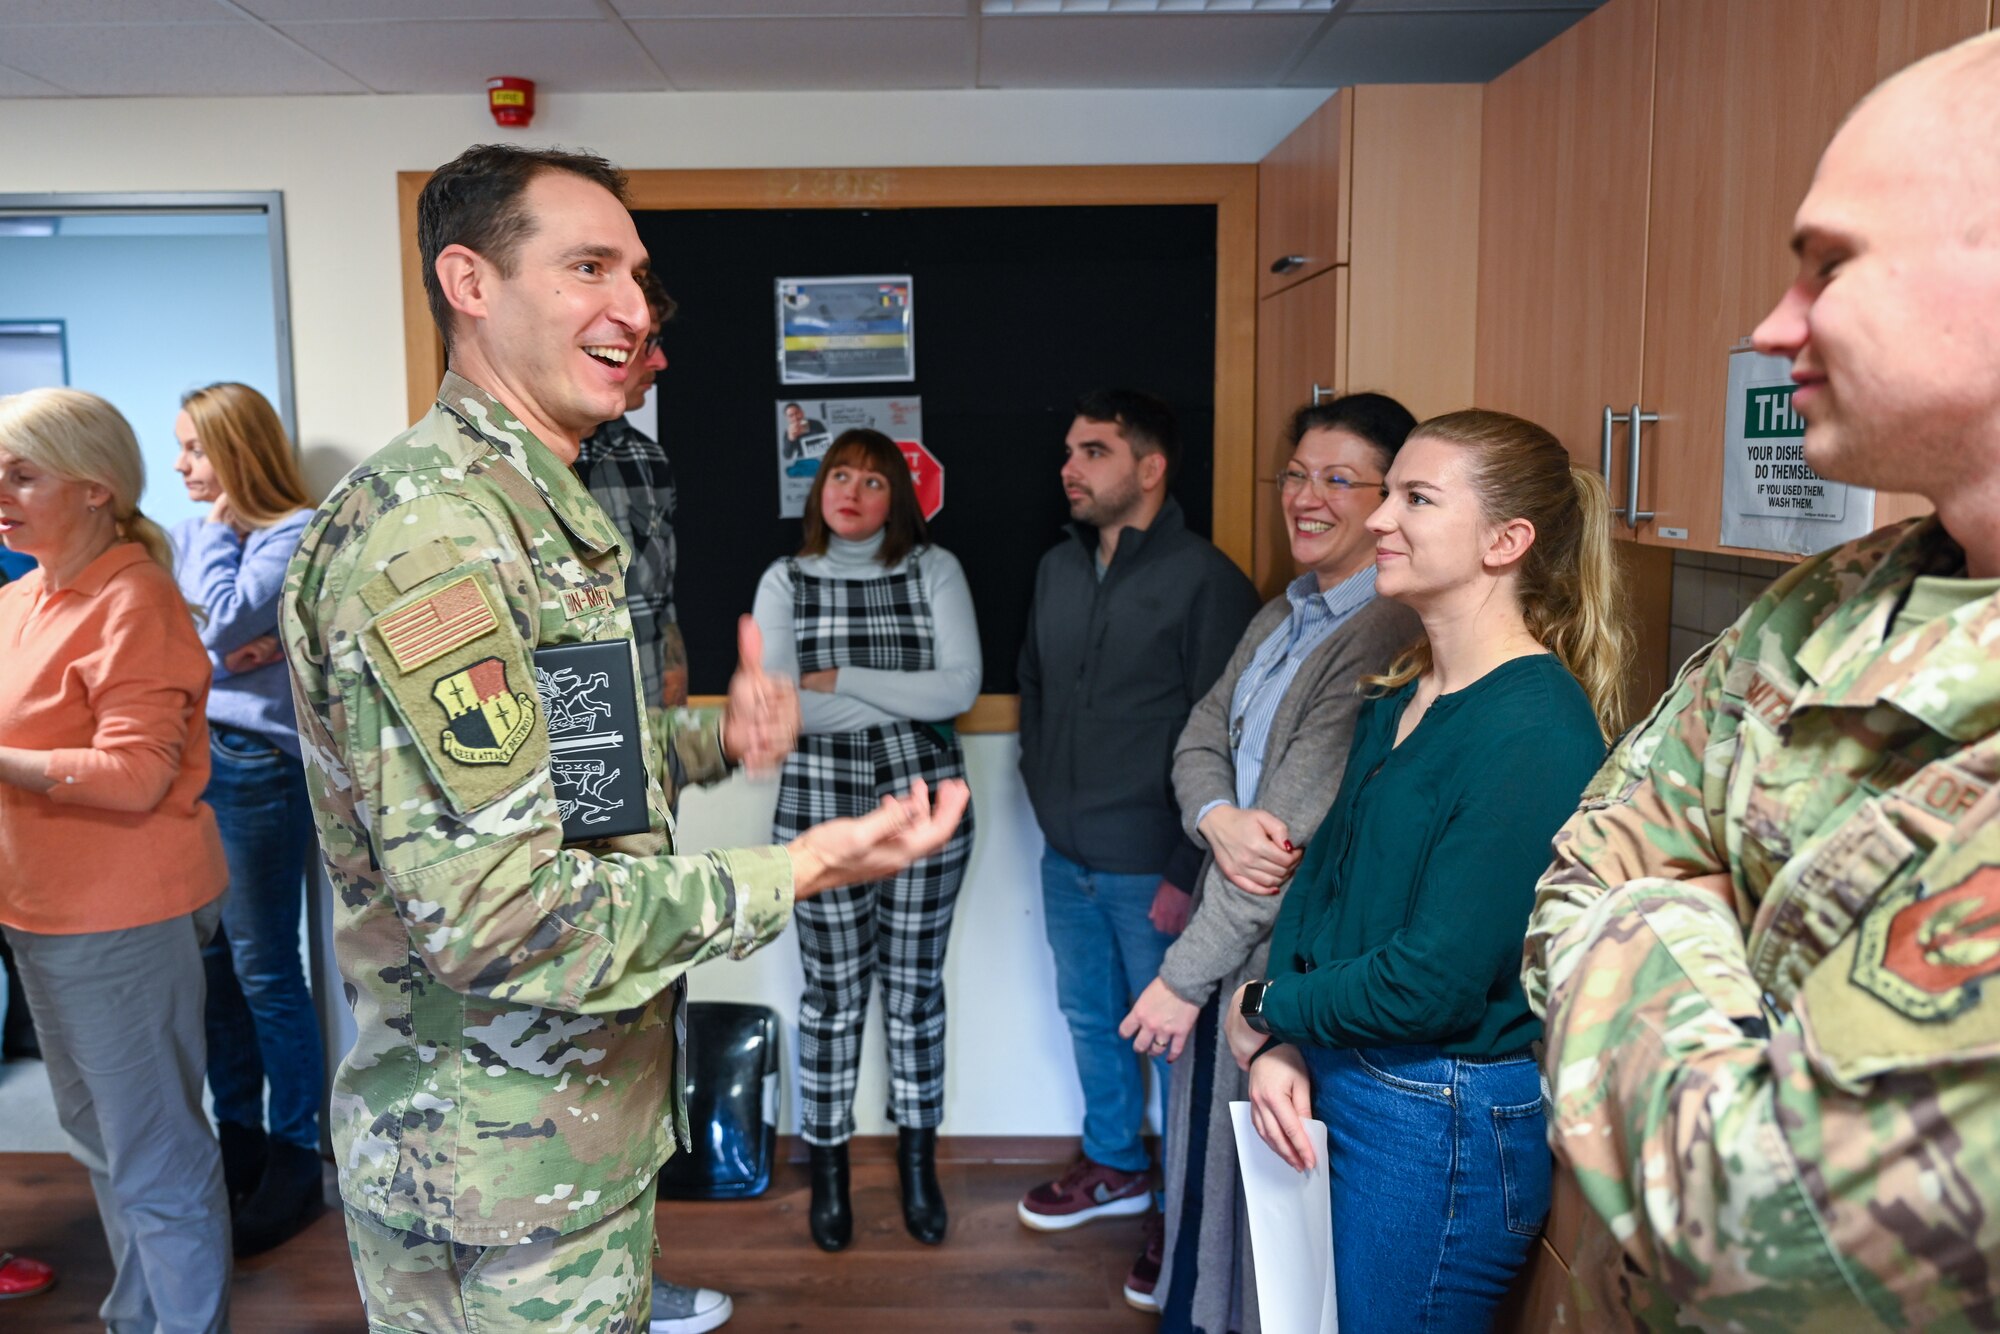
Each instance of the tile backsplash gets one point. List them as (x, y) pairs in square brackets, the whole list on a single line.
[(1709, 593)]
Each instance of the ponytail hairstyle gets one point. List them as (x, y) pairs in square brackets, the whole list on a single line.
[(81, 438), (242, 437), (1568, 581)]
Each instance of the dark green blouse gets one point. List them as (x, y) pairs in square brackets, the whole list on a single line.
[(1404, 923)]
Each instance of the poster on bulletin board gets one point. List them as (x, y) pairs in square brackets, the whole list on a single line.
[(846, 330), (808, 427), (1772, 500)]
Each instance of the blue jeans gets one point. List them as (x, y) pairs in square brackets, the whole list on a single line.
[(1440, 1177), (261, 1021), (1107, 950)]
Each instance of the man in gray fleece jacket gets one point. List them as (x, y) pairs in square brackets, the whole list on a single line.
[(1133, 619)]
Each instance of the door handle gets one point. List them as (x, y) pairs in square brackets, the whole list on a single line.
[(1604, 451), (1633, 515), (1321, 393), (1287, 263)]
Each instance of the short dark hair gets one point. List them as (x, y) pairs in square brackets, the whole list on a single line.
[(1376, 418), (474, 200), (860, 447), (658, 302), (1146, 422)]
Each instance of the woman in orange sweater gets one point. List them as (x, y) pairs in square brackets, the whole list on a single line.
[(113, 865)]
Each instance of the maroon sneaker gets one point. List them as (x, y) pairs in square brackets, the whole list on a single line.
[(1145, 1275), (1088, 1190)]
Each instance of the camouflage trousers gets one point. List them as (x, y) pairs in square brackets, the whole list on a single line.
[(597, 1280)]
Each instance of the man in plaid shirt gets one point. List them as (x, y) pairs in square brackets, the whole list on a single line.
[(629, 475)]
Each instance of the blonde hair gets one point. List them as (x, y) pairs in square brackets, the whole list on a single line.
[(240, 433), (81, 438), (1568, 581)]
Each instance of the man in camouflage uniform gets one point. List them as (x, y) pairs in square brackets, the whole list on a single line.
[(1767, 949), (516, 1080)]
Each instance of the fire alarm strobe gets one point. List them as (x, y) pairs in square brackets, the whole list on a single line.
[(512, 101)]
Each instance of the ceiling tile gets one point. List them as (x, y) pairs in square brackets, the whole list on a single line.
[(1462, 6), (803, 9), (350, 11), (113, 11), (994, 8), (239, 59), (1142, 51), (13, 83), (1427, 47), (789, 54), (425, 56)]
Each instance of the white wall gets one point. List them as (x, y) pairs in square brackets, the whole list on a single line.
[(147, 319), (335, 159)]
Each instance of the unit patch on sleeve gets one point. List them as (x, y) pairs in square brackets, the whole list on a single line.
[(486, 721), (433, 626), (1926, 957)]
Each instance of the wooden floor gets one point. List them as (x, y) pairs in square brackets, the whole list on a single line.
[(991, 1276)]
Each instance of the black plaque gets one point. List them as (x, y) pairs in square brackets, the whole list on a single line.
[(595, 752)]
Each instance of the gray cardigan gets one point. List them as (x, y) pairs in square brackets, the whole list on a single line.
[(1228, 938), (1302, 766)]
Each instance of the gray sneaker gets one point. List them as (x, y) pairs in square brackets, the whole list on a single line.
[(679, 1310)]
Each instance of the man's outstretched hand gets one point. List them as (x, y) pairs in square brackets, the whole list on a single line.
[(760, 722), (878, 844)]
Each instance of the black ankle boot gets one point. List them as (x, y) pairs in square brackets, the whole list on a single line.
[(832, 1217), (923, 1200), (243, 1152), (288, 1198)]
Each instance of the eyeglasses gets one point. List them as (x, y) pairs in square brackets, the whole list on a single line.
[(1326, 480), (650, 346)]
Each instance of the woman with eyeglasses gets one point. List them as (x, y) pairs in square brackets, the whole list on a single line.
[(1392, 1007), (878, 625), (1254, 772), (262, 1027)]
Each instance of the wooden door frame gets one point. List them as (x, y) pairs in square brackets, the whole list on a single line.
[(1230, 187)]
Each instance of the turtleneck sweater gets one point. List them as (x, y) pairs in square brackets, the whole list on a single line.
[(866, 697)]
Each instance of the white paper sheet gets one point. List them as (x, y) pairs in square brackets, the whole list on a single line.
[(1291, 1231)]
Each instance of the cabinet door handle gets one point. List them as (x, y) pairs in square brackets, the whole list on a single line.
[(1286, 263), (1632, 514), (1320, 393), (1604, 452)]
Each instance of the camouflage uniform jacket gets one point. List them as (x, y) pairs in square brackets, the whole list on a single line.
[(1787, 1107), (516, 1071)]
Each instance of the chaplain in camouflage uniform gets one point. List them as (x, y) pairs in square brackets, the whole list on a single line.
[(516, 1081), (1767, 950)]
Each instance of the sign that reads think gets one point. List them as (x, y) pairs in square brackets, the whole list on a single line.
[(1774, 440), (1772, 500)]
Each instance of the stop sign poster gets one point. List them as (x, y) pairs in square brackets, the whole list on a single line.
[(807, 428)]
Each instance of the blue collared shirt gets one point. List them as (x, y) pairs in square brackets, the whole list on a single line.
[(1315, 616)]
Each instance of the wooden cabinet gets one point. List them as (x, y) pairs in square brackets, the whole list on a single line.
[(1413, 261), (1735, 142), (1397, 316), (1302, 198), (1639, 179), (1562, 229), (1301, 357), (1566, 143)]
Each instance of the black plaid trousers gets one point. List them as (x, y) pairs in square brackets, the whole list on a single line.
[(899, 926)]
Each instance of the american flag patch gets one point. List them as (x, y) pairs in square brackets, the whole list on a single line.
[(432, 627)]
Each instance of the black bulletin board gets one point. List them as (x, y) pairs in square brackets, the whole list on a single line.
[(1018, 310)]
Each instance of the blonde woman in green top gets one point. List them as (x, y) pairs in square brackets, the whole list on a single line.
[(1393, 1008)]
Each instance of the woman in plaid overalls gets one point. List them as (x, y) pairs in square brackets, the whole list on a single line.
[(880, 629)]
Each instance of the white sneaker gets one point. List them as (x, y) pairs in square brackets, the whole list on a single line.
[(679, 1310)]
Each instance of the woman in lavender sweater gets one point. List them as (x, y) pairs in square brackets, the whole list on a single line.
[(262, 1025)]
